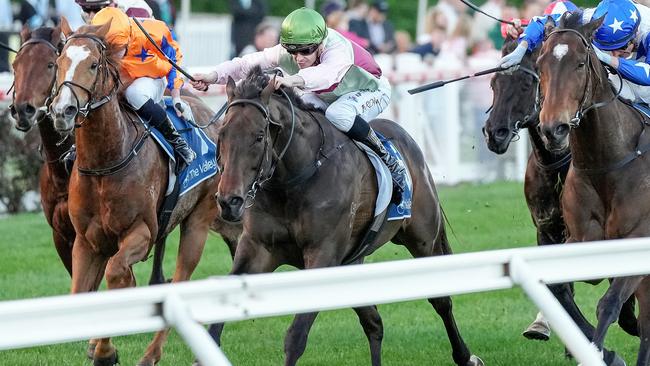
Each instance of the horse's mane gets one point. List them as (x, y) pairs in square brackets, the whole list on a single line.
[(256, 80), (112, 51)]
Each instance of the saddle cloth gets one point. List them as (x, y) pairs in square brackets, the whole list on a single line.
[(205, 164), (385, 183), (643, 108)]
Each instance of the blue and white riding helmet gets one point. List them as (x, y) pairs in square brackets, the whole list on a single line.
[(620, 25), (560, 7)]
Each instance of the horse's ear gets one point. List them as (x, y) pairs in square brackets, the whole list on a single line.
[(230, 88), (25, 34), (590, 28), (103, 29), (57, 37), (65, 27), (268, 91), (548, 26)]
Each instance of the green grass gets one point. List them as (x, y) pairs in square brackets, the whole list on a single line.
[(483, 217)]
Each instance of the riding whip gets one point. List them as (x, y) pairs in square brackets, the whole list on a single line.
[(2, 45), (174, 64), (476, 8), (440, 83)]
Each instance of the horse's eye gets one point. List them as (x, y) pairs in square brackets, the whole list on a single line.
[(50, 65), (259, 138), (581, 65), (93, 66)]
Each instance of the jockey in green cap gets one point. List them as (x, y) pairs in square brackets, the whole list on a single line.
[(336, 74)]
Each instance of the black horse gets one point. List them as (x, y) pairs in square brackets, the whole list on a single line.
[(306, 196)]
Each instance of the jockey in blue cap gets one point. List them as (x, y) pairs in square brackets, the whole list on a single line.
[(534, 33), (622, 41)]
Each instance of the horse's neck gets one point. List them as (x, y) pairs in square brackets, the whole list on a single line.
[(606, 134), (543, 156), (104, 138), (303, 147)]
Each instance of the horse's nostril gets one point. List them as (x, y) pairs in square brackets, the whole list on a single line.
[(29, 110), (70, 111), (236, 201), (502, 133), (562, 130)]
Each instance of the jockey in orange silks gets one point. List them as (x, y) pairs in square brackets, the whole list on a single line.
[(144, 65)]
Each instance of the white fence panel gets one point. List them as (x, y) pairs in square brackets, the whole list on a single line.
[(67, 318)]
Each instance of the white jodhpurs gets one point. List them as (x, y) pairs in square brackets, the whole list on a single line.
[(144, 88), (634, 92), (365, 103)]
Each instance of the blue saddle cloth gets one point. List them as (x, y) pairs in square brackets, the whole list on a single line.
[(403, 209), (643, 108), (205, 164)]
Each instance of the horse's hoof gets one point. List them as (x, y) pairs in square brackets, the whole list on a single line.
[(538, 330), (90, 351), (475, 361), (145, 361), (617, 361), (107, 361)]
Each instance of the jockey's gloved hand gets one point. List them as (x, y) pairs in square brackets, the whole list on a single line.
[(514, 57), (603, 56), (202, 81), (289, 81), (182, 109)]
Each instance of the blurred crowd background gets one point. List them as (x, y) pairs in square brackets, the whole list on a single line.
[(446, 40)]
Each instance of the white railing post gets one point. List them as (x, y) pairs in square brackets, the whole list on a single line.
[(579, 346), (177, 315)]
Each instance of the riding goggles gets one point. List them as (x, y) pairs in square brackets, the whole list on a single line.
[(301, 49)]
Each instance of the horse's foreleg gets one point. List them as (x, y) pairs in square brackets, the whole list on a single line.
[(374, 329), (194, 233), (609, 306), (643, 295), (295, 341), (133, 247), (460, 352), (249, 258), (64, 250), (157, 274), (87, 275)]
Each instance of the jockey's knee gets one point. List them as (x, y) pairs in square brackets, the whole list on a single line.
[(341, 117)]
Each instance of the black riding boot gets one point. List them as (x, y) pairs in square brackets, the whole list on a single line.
[(157, 118), (362, 132)]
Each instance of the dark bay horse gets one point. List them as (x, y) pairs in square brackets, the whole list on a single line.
[(513, 108), (34, 75), (605, 189), (114, 213), (307, 217)]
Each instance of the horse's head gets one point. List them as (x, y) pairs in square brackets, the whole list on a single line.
[(513, 103), (569, 74), (245, 143), (87, 74), (34, 74)]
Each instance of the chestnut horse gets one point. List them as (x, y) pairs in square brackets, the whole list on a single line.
[(34, 75), (300, 212), (608, 143), (114, 212)]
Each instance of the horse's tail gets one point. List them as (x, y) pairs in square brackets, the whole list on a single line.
[(444, 241)]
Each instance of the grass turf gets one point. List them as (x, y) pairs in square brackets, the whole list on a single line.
[(482, 217)]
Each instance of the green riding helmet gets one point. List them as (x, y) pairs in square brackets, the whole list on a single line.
[(302, 28)]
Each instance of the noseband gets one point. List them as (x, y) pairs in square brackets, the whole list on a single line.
[(105, 67), (261, 177), (582, 110)]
